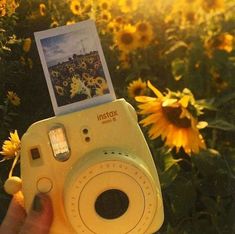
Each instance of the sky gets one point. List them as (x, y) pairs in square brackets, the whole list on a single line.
[(60, 47)]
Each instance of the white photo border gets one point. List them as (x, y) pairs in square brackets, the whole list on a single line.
[(81, 104)]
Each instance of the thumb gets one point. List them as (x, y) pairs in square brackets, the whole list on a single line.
[(40, 216)]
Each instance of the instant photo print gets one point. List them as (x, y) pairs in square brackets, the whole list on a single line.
[(74, 66), (91, 158)]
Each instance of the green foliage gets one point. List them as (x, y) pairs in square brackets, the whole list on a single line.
[(199, 55), (198, 191)]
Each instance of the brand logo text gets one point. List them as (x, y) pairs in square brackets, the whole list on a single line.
[(108, 116)]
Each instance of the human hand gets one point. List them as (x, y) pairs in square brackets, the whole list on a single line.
[(37, 221)]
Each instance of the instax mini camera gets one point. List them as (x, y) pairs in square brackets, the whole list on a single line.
[(98, 170)]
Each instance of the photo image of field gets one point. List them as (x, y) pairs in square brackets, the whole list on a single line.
[(74, 67)]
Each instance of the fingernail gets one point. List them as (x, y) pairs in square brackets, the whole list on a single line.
[(37, 204)]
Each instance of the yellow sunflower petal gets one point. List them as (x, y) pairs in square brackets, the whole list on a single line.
[(184, 101), (202, 124), (14, 137), (144, 99), (169, 102), (154, 89)]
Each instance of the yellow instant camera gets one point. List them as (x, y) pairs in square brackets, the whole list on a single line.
[(97, 168)]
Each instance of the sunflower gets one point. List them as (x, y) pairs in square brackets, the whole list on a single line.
[(11, 147), (30, 63), (127, 6), (42, 9), (185, 13), (2, 7), (105, 16), (75, 7), (90, 60), (122, 19), (82, 65), (78, 87), (90, 82), (86, 76), (112, 27), (212, 5), (54, 74), (189, 17), (27, 44), (124, 59), (173, 116), (71, 69), (102, 89), (222, 41), (11, 6), (218, 81), (65, 83), (144, 31), (117, 23), (87, 7), (225, 42), (75, 86), (104, 4), (54, 24), (136, 88), (126, 39), (59, 90), (13, 98), (69, 22)]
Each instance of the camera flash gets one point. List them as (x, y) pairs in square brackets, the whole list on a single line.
[(59, 143)]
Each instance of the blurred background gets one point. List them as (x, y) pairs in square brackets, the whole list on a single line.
[(181, 54)]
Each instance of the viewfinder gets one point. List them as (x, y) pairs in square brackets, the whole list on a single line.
[(59, 143)]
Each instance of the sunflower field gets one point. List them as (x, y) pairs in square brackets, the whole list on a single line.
[(174, 61)]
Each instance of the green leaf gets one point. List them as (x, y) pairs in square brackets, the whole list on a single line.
[(230, 218), (178, 48), (169, 161), (5, 48), (169, 169), (214, 179), (178, 68), (208, 104), (230, 161), (221, 124), (225, 99), (168, 176), (210, 204), (170, 230), (182, 197), (205, 162)]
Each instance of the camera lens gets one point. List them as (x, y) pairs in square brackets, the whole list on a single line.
[(111, 204)]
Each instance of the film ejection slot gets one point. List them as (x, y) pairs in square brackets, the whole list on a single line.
[(59, 143)]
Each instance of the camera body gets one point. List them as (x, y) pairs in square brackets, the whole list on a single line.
[(98, 170)]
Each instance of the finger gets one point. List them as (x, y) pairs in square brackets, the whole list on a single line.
[(15, 216), (40, 216)]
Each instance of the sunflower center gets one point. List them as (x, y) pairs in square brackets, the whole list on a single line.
[(173, 116), (211, 3), (138, 91), (142, 27), (190, 17), (105, 17), (77, 7), (129, 2), (143, 38), (104, 5), (127, 38)]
